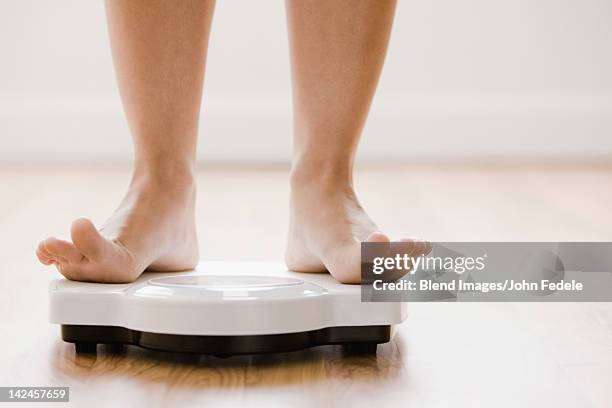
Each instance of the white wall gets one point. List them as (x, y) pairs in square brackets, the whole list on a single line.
[(494, 78)]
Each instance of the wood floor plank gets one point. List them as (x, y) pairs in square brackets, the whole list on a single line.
[(445, 354)]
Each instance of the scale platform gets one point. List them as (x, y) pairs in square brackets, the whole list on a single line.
[(222, 308)]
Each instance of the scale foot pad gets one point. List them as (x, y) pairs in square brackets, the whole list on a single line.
[(86, 338)]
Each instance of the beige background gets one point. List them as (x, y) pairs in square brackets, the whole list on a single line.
[(483, 78)]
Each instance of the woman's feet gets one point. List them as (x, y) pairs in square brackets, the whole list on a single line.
[(152, 229), (327, 227)]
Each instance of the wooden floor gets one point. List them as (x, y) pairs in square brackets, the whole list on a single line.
[(472, 355)]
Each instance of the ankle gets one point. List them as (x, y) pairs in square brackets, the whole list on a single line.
[(172, 176), (307, 174)]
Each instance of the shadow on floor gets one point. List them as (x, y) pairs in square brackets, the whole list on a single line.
[(313, 365)]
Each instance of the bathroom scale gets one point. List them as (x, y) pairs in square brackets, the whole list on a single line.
[(222, 308)]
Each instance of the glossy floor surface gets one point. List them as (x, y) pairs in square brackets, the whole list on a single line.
[(460, 355)]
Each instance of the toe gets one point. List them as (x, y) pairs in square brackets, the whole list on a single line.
[(87, 239), (64, 255), (346, 265), (53, 250), (383, 248), (418, 247), (377, 237), (43, 256)]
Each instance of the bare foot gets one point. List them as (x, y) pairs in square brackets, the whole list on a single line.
[(327, 227), (152, 229)]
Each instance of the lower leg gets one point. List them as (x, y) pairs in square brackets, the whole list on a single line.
[(159, 49), (337, 53)]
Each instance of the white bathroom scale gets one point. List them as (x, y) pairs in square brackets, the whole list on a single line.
[(222, 308)]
